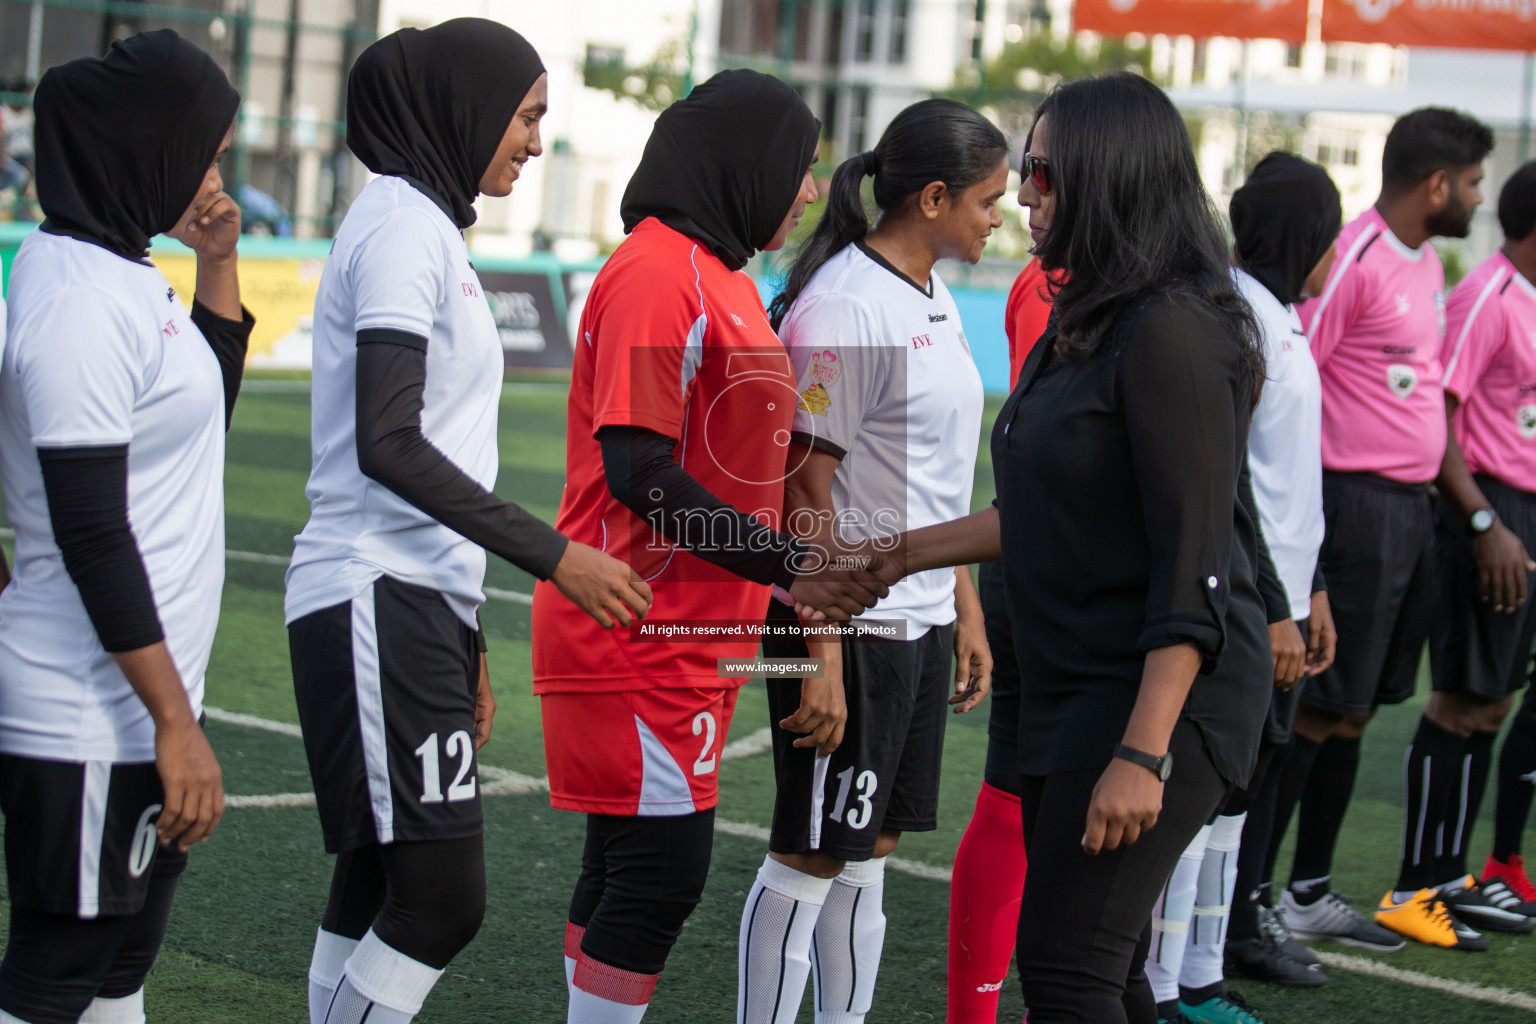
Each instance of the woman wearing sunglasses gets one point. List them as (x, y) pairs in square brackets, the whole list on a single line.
[(1129, 560)]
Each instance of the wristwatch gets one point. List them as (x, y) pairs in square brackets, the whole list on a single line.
[(1162, 767), (1481, 521)]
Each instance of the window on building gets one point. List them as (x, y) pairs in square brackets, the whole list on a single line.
[(899, 10), (864, 30), (1197, 67), (834, 54), (858, 117), (1293, 55)]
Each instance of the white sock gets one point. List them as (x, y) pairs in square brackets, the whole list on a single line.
[(325, 967), (1170, 920), (1213, 904), (852, 919), (124, 1010), (6, 1018), (607, 995), (380, 984), (773, 956)]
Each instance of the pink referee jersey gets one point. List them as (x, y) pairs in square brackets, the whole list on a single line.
[(1490, 366), (1376, 333)]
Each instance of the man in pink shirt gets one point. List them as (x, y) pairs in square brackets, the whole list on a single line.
[(1488, 528), (1376, 333), (1486, 523)]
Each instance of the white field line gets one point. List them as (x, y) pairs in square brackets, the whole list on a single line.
[(1465, 989), (302, 386), (754, 745)]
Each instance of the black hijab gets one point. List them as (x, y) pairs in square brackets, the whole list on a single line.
[(1284, 218), (123, 142), (724, 165), (431, 105)]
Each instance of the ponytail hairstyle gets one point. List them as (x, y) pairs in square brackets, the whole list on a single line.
[(932, 140)]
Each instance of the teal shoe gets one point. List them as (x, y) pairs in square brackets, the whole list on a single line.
[(1229, 1008)]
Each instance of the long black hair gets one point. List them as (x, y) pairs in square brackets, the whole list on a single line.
[(1132, 217), (932, 140)]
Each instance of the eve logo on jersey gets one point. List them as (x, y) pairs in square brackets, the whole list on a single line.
[(922, 341), (1526, 418), (1402, 379), (170, 330), (469, 289), (459, 746)]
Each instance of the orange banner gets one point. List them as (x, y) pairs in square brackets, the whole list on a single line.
[(1238, 19), (1462, 24)]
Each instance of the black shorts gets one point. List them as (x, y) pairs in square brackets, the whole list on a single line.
[(1003, 716), (386, 687), (1379, 559), (885, 775), (1473, 648), (1280, 722), (80, 837)]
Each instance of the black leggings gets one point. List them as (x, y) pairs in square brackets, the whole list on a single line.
[(1085, 922), (423, 899), (640, 879), (56, 964)]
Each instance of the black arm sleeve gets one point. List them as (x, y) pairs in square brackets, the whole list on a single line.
[(1277, 604), (1319, 584), (643, 476), (391, 449), (229, 340), (87, 490)]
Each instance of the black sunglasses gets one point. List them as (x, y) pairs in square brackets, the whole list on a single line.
[(1038, 170)]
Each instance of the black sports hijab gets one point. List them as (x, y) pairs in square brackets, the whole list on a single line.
[(431, 105), (123, 142), (1284, 218), (724, 165)]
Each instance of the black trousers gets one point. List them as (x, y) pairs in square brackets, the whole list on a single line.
[(1086, 922)]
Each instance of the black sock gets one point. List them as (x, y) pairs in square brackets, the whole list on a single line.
[(1330, 784), (1431, 778), (1291, 767), (1463, 806), (1169, 1010), (1203, 994), (1243, 921), (1517, 761)]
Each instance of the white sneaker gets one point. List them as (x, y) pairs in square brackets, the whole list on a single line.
[(1333, 918)]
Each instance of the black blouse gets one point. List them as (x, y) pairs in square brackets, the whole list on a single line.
[(1123, 531)]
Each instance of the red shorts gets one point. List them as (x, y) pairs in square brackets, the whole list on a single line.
[(650, 753)]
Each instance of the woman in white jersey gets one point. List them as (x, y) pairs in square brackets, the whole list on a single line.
[(388, 659), (885, 440), (113, 406)]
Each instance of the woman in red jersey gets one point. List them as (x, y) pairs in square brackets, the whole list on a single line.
[(681, 404)]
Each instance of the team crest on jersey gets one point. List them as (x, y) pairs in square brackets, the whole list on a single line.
[(814, 400), (1526, 418), (825, 368), (1402, 379)]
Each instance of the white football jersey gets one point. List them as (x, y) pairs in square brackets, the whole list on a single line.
[(100, 352), (398, 264), (888, 384)]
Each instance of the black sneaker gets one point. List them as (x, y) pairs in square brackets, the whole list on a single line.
[(1262, 960), (1473, 908), (1272, 923)]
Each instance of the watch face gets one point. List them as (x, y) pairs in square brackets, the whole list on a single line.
[(1165, 767), (1482, 520)]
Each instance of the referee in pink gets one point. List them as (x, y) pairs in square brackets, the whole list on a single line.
[(1376, 334)]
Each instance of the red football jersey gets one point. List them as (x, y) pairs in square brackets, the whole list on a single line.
[(673, 341), (1024, 320)]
